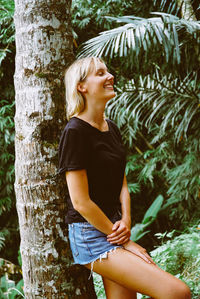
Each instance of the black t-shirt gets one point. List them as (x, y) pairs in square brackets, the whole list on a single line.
[(102, 155)]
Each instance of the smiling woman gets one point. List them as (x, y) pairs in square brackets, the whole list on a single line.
[(86, 76), (92, 157), (97, 87)]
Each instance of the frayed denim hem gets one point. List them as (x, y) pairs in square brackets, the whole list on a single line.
[(102, 256)]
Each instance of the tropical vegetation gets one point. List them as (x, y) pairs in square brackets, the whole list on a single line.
[(158, 103), (8, 227)]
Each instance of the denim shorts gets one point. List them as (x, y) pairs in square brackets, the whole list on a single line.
[(88, 244)]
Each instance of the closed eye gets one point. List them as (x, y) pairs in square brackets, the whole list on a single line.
[(100, 73)]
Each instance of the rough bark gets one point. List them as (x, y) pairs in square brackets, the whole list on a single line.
[(187, 10), (43, 50)]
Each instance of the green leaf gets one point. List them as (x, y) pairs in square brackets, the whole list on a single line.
[(153, 210), (137, 232)]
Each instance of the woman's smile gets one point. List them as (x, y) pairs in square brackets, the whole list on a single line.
[(108, 86)]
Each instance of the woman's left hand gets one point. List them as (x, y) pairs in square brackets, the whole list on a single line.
[(121, 233), (139, 251)]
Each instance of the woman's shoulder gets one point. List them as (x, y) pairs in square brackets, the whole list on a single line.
[(74, 124), (73, 133), (112, 122), (113, 125)]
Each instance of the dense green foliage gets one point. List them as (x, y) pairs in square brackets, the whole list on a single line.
[(88, 17), (7, 51), (156, 64), (9, 233), (158, 105), (6, 164), (11, 284), (180, 255), (9, 289), (6, 28)]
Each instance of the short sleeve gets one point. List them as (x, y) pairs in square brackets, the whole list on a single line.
[(72, 150)]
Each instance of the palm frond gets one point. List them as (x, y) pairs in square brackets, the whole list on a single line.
[(140, 37), (184, 180), (4, 233), (162, 100), (170, 7)]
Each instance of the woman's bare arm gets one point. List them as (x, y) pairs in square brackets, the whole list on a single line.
[(125, 203), (78, 189), (121, 228)]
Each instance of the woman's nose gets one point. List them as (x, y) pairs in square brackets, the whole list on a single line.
[(110, 76)]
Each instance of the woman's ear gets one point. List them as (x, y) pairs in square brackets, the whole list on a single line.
[(81, 87)]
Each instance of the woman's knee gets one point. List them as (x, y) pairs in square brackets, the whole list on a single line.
[(173, 288), (186, 294), (181, 292)]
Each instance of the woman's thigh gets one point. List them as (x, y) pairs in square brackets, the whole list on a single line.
[(133, 273), (114, 290)]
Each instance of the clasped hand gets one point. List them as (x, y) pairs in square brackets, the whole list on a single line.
[(121, 236), (121, 233)]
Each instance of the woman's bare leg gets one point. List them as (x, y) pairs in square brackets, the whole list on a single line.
[(130, 271), (115, 291)]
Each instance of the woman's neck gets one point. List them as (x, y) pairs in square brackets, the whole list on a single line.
[(95, 117)]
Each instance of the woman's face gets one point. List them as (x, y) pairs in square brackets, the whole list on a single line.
[(98, 83)]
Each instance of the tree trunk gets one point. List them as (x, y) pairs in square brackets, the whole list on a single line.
[(43, 50), (187, 10)]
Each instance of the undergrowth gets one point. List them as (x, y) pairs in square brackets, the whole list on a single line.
[(178, 255)]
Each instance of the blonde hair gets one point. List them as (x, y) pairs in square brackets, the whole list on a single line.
[(75, 73)]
